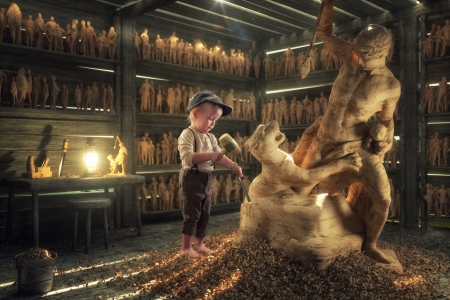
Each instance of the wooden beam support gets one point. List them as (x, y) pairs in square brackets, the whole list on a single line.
[(141, 7), (409, 64), (128, 111)]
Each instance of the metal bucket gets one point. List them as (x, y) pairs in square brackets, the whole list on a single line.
[(35, 276)]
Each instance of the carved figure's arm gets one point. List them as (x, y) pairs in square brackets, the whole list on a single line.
[(335, 44), (386, 118)]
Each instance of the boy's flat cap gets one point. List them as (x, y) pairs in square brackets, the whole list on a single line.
[(201, 97)]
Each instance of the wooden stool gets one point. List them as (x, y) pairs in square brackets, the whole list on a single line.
[(89, 204)]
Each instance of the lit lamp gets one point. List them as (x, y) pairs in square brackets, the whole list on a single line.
[(90, 158)]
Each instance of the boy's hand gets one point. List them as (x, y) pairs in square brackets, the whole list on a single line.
[(236, 170), (216, 157)]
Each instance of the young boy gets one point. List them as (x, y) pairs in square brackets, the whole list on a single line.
[(197, 149)]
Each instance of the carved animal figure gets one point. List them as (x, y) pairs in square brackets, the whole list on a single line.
[(279, 172)]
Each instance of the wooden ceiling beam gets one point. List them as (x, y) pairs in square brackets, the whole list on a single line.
[(385, 4), (141, 7), (312, 8), (241, 10), (359, 8)]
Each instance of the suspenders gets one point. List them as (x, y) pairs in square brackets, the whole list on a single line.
[(194, 168)]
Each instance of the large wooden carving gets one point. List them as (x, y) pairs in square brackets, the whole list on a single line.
[(363, 87)]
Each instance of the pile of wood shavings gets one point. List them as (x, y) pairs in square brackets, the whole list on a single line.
[(37, 253), (251, 269)]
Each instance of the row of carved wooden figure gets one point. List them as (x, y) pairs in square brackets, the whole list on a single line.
[(166, 195), (437, 198), (437, 150), (290, 63), (166, 150), (174, 100), (196, 54), (437, 101), (33, 91), (437, 41), (76, 38)]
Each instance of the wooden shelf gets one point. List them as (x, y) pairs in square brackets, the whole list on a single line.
[(175, 168), (179, 73), (47, 114), (62, 56)]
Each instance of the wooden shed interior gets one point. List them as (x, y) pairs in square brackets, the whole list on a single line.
[(262, 27)]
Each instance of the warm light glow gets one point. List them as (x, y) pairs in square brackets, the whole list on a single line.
[(91, 160), (90, 156), (320, 199), (418, 2), (408, 281)]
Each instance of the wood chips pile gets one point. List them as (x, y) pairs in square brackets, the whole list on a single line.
[(36, 253), (251, 269)]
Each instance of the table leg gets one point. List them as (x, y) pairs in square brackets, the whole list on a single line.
[(35, 210), (110, 212), (10, 215), (137, 209)]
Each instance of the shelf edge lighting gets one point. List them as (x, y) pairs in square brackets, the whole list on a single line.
[(96, 69), (292, 48), (298, 88), (153, 78)]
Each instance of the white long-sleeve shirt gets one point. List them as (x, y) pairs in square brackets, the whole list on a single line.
[(203, 142)]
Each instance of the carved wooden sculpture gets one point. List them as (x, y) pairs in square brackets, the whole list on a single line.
[(137, 46), (2, 23), (153, 186), (21, 86), (442, 200), (445, 35), (53, 90), (112, 43), (14, 21), (28, 23), (338, 136), (145, 44), (14, 93), (50, 33), (77, 97), (145, 96), (64, 97), (90, 38), (121, 158)]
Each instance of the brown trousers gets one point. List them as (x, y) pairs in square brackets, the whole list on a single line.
[(196, 193)]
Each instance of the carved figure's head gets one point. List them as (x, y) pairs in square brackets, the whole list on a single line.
[(265, 140), (374, 40)]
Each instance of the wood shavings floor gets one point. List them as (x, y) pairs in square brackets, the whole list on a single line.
[(149, 267)]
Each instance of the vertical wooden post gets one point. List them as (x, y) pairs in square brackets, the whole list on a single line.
[(10, 215), (410, 118), (128, 111), (423, 125)]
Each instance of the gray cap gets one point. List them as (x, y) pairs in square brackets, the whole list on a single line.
[(201, 97)]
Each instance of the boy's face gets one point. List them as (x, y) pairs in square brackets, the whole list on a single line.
[(206, 116)]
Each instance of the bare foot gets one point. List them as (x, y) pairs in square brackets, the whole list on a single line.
[(190, 252), (204, 249), (377, 255)]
